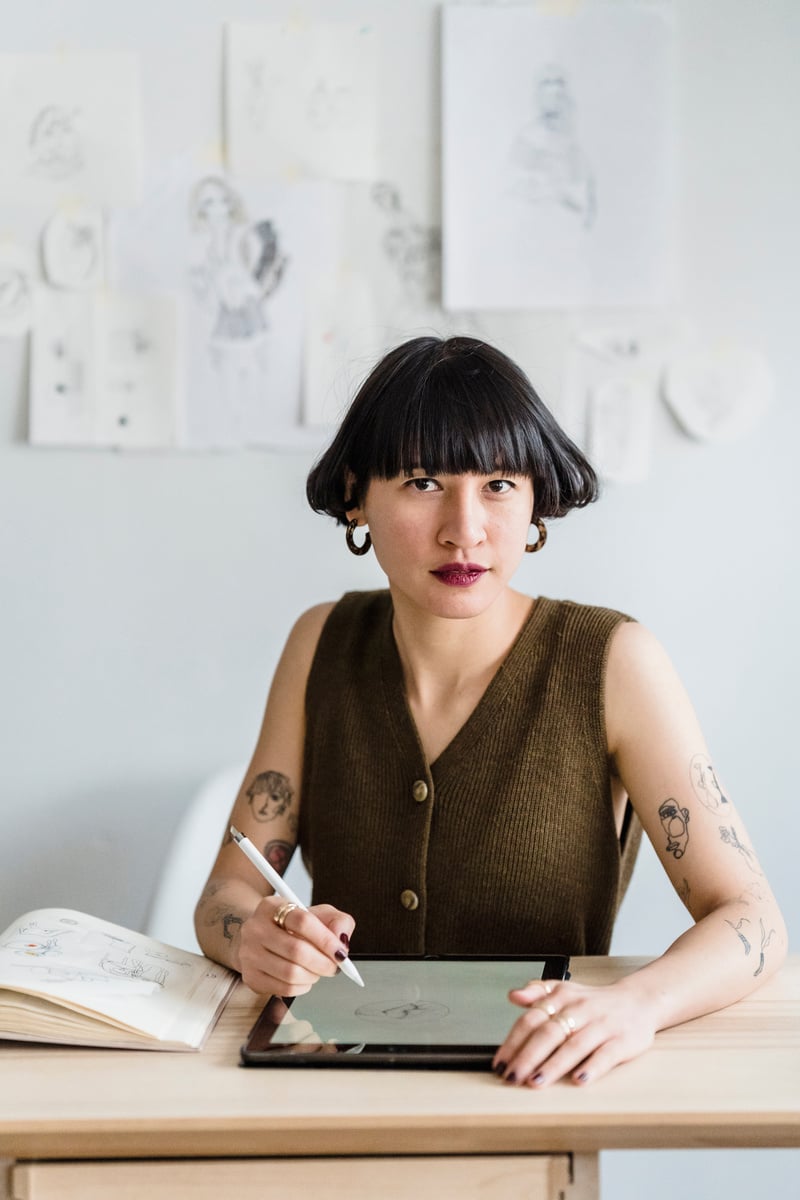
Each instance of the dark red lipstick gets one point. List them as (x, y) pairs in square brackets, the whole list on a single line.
[(459, 574)]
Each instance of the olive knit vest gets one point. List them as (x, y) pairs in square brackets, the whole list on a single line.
[(506, 844)]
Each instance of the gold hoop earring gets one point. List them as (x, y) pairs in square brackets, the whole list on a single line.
[(351, 542), (533, 547)]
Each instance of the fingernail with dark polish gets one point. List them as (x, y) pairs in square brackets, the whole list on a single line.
[(500, 1069), (340, 955)]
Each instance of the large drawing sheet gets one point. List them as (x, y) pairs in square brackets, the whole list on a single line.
[(93, 966), (70, 126), (239, 256), (412, 1002), (301, 99), (558, 160)]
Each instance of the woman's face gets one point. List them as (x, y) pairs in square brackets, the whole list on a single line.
[(449, 544)]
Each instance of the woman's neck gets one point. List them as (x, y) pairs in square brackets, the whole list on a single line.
[(442, 657)]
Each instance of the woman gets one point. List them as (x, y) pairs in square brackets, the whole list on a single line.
[(466, 769)]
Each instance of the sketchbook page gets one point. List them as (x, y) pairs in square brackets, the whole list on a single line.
[(558, 158), (70, 126), (134, 982), (301, 99)]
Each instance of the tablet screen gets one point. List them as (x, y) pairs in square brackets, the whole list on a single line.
[(419, 1007)]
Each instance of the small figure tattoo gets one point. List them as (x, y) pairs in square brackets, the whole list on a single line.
[(270, 794), (229, 924), (705, 783), (730, 838), (737, 929), (675, 822)]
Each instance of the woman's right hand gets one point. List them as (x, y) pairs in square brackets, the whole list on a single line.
[(288, 960)]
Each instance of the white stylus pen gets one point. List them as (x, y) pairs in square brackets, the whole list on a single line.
[(282, 888)]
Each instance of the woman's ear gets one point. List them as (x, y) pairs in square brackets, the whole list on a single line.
[(353, 510)]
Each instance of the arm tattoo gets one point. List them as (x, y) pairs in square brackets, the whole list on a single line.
[(270, 795), (766, 938), (278, 855), (705, 783), (737, 929), (675, 822), (229, 924), (730, 838)]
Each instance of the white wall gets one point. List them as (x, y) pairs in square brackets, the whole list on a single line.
[(144, 598)]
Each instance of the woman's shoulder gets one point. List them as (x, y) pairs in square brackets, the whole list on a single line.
[(334, 614)]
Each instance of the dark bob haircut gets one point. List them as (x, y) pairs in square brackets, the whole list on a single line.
[(450, 406)]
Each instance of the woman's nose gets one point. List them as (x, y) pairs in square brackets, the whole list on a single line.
[(463, 524)]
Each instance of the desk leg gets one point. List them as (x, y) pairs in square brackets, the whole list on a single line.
[(584, 1177)]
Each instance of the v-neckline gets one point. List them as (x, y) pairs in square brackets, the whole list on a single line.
[(482, 716)]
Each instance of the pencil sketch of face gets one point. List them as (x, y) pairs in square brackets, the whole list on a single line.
[(214, 204), (553, 100), (54, 143)]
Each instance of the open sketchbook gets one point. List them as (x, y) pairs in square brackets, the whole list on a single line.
[(69, 978)]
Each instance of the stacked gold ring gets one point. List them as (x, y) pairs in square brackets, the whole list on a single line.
[(282, 913), (566, 1022)]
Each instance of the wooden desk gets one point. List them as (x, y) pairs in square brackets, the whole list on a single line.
[(127, 1124)]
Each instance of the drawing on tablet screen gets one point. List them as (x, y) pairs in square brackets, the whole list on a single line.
[(404, 1010)]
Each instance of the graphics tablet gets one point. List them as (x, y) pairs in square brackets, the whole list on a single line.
[(411, 1012)]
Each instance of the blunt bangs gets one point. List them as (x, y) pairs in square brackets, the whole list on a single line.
[(454, 406)]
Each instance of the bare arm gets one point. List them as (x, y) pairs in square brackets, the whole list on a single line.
[(234, 916), (738, 938)]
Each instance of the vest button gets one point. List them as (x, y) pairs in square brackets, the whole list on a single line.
[(409, 899), (420, 791)]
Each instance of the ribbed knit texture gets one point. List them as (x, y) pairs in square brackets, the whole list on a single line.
[(514, 850)]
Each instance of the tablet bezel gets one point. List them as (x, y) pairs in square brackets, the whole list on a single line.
[(258, 1050)]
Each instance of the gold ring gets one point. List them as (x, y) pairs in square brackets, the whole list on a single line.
[(280, 916), (566, 1022)]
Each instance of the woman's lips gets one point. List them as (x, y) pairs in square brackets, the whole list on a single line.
[(459, 574)]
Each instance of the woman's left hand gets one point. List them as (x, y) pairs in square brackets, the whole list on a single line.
[(572, 1030)]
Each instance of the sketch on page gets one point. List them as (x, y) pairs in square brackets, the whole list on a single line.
[(70, 126), (548, 165), (105, 369), (66, 951), (72, 248), (301, 99), (558, 171)]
